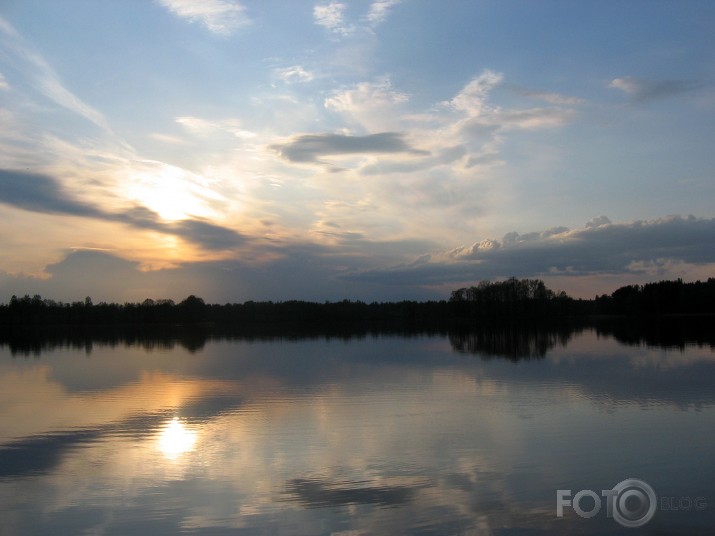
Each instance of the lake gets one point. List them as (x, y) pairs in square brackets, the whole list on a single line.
[(469, 432)]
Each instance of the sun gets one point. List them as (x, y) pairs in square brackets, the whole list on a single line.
[(173, 193), (176, 439)]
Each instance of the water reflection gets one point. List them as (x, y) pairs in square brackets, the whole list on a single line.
[(176, 438), (320, 493), (467, 433), (512, 341), (667, 332)]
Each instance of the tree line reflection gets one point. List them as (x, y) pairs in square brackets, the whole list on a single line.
[(507, 340)]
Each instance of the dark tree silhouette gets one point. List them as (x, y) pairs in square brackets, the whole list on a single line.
[(509, 300)]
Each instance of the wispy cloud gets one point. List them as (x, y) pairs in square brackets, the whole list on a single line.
[(218, 16), (3, 83), (205, 127), (546, 96), (43, 77), (641, 90), (332, 17), (443, 157), (527, 119)]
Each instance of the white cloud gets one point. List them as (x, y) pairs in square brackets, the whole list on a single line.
[(205, 127), (627, 84), (379, 10), (3, 83), (218, 16), (472, 99), (197, 125), (294, 74), (365, 95), (332, 17), (371, 104)]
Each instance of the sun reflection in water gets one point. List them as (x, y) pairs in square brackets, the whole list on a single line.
[(176, 439)]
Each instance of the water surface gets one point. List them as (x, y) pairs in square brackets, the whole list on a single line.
[(460, 433)]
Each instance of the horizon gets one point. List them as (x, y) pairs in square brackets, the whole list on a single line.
[(368, 150), (156, 300)]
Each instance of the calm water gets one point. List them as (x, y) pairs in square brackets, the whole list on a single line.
[(440, 434)]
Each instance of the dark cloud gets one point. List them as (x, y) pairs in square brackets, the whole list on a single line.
[(641, 90), (310, 147), (41, 193), (357, 268), (598, 248), (206, 234), (304, 271)]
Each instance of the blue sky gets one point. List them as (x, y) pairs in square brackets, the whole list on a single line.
[(368, 150)]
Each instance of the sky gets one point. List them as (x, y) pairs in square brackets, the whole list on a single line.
[(368, 150)]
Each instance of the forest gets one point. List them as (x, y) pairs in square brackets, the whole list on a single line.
[(511, 299)]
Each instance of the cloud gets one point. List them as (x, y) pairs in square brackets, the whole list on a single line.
[(600, 247), (357, 268), (641, 90), (206, 234), (44, 78), (294, 74), (443, 157), (205, 127), (472, 98), (370, 104), (221, 17), (596, 222), (310, 147), (166, 138), (43, 194), (551, 98), (484, 120), (4, 86), (365, 94), (332, 17), (482, 117), (529, 119), (39, 193), (379, 10)]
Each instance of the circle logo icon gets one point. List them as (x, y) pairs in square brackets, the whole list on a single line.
[(635, 503)]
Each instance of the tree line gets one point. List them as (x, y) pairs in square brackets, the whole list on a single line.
[(512, 299)]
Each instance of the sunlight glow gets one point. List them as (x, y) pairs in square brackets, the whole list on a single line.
[(175, 439), (173, 193)]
